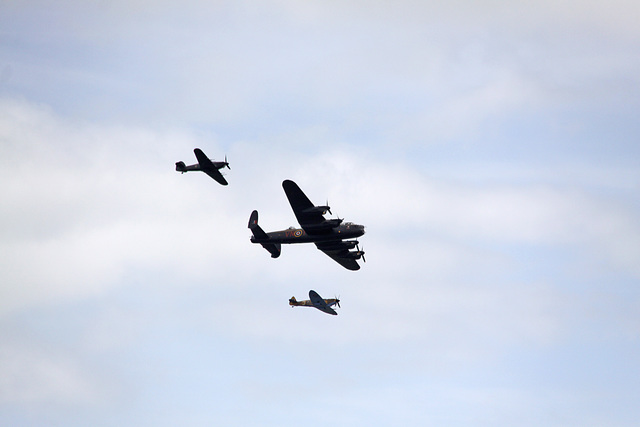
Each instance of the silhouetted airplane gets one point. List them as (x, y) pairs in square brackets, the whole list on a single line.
[(317, 302), (328, 234), (205, 165)]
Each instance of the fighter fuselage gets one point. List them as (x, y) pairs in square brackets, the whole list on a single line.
[(181, 167)]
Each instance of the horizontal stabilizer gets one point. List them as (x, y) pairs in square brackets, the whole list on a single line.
[(257, 231), (273, 248), (259, 236)]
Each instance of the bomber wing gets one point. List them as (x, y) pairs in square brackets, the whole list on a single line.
[(319, 303), (208, 167), (339, 252), (302, 206)]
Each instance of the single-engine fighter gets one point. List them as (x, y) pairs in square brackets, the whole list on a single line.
[(316, 301), (205, 165), (329, 235)]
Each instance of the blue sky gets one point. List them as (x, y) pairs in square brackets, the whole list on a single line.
[(491, 149)]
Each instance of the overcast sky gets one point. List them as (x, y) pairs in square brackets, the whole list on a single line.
[(492, 149)]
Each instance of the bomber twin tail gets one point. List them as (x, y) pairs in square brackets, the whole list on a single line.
[(205, 165), (329, 235)]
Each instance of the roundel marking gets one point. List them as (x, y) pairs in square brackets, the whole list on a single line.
[(297, 233)]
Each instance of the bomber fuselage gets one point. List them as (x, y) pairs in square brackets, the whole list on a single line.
[(298, 235)]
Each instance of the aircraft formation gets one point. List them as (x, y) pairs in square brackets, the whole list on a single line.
[(334, 237)]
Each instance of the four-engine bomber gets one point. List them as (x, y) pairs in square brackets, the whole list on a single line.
[(329, 235)]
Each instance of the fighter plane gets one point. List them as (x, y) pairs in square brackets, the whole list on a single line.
[(329, 235), (317, 302), (205, 165)]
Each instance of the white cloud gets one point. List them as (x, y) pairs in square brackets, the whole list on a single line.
[(28, 376), (362, 65), (482, 246), (84, 203)]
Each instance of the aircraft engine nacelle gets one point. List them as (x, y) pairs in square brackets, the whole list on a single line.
[(333, 223), (345, 244), (328, 224), (350, 244), (354, 255), (318, 209)]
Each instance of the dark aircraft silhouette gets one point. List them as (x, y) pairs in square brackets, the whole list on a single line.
[(317, 302), (205, 165), (329, 235)]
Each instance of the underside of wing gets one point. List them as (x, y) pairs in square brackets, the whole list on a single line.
[(208, 167), (203, 159), (320, 303), (301, 205), (327, 310), (341, 255), (215, 174)]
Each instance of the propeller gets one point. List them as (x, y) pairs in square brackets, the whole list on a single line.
[(226, 162), (338, 302), (328, 208), (361, 252)]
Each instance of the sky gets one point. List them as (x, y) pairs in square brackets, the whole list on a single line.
[(491, 149)]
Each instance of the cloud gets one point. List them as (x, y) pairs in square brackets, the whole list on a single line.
[(84, 202), (486, 147), (243, 66), (30, 376), (106, 198)]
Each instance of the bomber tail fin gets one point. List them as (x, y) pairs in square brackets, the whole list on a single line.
[(259, 236), (257, 231)]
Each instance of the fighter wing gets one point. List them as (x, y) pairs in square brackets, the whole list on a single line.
[(215, 174), (339, 252), (208, 167), (301, 205), (319, 303)]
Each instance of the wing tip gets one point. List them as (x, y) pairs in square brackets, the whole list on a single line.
[(287, 183)]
